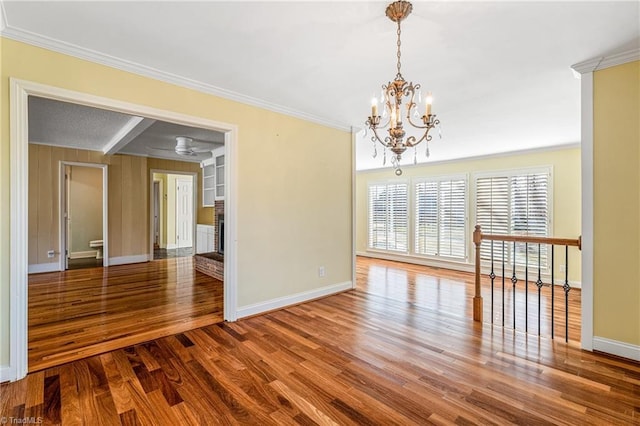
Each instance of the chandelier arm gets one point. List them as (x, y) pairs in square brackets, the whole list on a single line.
[(417, 126), (424, 137), (376, 137)]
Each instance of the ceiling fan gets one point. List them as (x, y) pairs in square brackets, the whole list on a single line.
[(185, 146)]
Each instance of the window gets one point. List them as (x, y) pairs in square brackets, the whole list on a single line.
[(441, 217), (388, 216), (518, 204)]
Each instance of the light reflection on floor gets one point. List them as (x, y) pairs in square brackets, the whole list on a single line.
[(451, 292)]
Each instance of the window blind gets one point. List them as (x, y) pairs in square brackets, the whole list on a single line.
[(515, 204), (388, 216), (440, 218)]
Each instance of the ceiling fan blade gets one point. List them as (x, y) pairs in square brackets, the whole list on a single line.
[(157, 148)]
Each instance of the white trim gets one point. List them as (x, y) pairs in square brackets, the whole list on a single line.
[(83, 254), (39, 268), (615, 347), (602, 62), (62, 261), (125, 260), (6, 373), (353, 208), (171, 246), (19, 213), (231, 223), (586, 160), (294, 299), (139, 69), (559, 147), (20, 90)]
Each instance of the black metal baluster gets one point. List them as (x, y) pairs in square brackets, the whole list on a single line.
[(492, 275), (503, 283), (514, 280), (539, 284), (566, 287), (553, 311), (526, 287)]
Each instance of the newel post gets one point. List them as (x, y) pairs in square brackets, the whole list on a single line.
[(477, 298)]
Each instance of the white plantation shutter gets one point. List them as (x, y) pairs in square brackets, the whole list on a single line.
[(388, 216), (440, 218), (492, 212), (426, 218), (453, 215), (517, 204), (529, 214)]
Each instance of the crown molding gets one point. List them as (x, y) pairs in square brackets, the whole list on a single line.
[(603, 62), (38, 40), (549, 148)]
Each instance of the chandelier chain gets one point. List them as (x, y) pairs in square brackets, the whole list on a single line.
[(399, 43)]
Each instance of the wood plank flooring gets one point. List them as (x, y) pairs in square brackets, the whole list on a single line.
[(452, 292), (75, 314), (365, 357)]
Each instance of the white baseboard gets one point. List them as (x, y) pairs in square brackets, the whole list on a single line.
[(614, 347), (83, 254), (7, 374), (457, 266), (281, 302), (44, 267), (172, 246), (124, 260)]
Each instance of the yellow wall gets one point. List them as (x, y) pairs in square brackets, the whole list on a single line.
[(616, 228), (293, 188), (566, 192)]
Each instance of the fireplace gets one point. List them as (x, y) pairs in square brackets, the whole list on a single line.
[(220, 247)]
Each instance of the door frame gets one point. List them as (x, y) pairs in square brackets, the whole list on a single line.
[(62, 205), (194, 196), (157, 209), (19, 92)]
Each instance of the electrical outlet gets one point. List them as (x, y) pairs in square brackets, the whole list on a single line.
[(321, 272), (563, 268), (51, 253)]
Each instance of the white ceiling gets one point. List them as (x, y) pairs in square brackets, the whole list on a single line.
[(69, 125), (499, 71)]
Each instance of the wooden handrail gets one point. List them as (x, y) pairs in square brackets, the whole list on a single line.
[(577, 242), (478, 237)]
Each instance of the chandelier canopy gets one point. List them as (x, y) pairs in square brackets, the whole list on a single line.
[(392, 97)]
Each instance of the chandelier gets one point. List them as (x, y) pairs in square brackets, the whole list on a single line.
[(392, 97)]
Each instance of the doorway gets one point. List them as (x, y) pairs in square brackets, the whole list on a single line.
[(173, 198), (83, 215), (19, 144)]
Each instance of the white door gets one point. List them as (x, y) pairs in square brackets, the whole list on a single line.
[(184, 213)]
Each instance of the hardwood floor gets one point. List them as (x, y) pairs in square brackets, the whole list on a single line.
[(452, 292), (371, 356), (75, 314)]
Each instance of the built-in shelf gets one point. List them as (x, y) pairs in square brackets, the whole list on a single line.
[(213, 178)]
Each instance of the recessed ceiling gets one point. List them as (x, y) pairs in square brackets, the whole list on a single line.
[(499, 71), (70, 125)]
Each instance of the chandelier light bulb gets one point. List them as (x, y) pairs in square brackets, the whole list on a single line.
[(374, 107), (428, 101)]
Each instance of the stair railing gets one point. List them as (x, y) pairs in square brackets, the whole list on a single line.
[(478, 237)]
